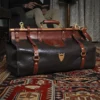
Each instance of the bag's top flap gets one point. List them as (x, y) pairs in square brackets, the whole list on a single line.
[(55, 43)]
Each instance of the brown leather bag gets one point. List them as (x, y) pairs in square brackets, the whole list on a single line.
[(48, 50)]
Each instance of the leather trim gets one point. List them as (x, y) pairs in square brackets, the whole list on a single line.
[(42, 34), (55, 43), (39, 34), (17, 37)]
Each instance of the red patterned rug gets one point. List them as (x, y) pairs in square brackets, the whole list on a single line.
[(74, 85)]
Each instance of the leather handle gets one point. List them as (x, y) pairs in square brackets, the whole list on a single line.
[(50, 22)]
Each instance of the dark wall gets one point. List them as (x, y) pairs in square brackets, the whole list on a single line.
[(4, 15), (4, 3)]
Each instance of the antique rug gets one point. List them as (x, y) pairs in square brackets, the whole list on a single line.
[(73, 85)]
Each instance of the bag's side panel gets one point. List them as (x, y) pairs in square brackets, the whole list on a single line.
[(90, 54), (11, 56), (50, 60)]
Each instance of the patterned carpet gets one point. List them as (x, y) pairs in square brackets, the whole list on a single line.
[(74, 85)]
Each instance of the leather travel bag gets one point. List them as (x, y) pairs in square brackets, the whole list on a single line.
[(49, 50)]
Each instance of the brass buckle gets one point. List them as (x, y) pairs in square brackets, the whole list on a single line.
[(36, 58), (83, 54)]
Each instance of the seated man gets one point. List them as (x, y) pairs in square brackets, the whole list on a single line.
[(39, 10)]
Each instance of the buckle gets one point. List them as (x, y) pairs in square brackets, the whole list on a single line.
[(83, 54), (36, 58)]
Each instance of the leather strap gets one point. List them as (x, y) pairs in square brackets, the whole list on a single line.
[(63, 34), (86, 34), (39, 34), (83, 51), (36, 54), (16, 35)]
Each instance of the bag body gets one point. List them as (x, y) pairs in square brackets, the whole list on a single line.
[(43, 51)]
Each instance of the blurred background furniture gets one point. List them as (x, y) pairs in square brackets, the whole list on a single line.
[(67, 3), (15, 18), (4, 30)]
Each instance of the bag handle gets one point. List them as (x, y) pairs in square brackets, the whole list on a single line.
[(50, 22)]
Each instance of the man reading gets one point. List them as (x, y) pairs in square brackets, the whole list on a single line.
[(40, 10)]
